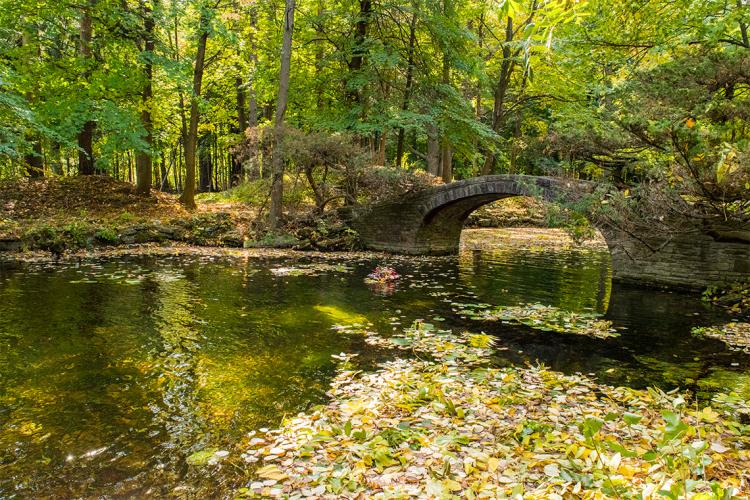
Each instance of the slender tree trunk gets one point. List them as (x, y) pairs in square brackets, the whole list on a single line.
[(446, 150), (143, 159), (34, 160), (743, 26), (361, 28), (191, 139), (446, 162), (241, 106), (320, 33), (252, 111), (277, 186), (56, 158), (407, 91), (433, 150), (379, 149), (86, 135), (164, 174), (204, 163), (181, 95), (236, 174), (501, 89), (177, 171)]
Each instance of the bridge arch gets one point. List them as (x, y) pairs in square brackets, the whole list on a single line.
[(430, 222)]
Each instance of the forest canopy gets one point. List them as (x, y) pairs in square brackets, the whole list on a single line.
[(647, 95)]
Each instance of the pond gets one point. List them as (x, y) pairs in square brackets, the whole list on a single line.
[(114, 371)]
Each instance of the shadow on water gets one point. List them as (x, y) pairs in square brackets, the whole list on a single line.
[(113, 372)]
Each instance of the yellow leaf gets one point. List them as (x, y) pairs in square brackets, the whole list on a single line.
[(453, 485), (708, 414), (271, 472), (627, 470)]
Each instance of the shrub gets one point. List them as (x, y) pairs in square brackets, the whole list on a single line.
[(77, 234), (107, 235), (125, 217), (334, 169)]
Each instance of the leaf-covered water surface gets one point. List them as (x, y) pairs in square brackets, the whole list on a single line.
[(141, 374)]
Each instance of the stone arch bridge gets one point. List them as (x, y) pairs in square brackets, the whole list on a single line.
[(429, 222)]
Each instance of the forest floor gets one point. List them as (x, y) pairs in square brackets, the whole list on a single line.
[(68, 213), (78, 204)]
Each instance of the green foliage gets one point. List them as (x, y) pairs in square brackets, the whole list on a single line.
[(650, 97), (125, 217), (73, 236), (107, 235), (734, 296), (254, 192)]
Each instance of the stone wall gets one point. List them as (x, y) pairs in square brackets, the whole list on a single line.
[(690, 261)]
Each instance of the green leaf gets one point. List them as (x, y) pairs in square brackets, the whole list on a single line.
[(631, 418)]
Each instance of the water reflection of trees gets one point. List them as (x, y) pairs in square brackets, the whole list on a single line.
[(569, 280), (174, 362)]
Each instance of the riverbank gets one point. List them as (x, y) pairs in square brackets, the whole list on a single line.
[(519, 238), (68, 215)]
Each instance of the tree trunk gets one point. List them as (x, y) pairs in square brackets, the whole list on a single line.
[(433, 150), (143, 159), (241, 105), (447, 162), (378, 156), (252, 112), (507, 68), (164, 174), (277, 186), (407, 91), (204, 164), (34, 160), (236, 174), (191, 138), (358, 54), (446, 151), (86, 136), (56, 158), (177, 169), (86, 149)]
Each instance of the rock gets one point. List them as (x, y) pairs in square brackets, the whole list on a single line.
[(10, 244), (233, 239), (166, 231)]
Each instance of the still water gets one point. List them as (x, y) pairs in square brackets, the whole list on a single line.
[(114, 371)]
